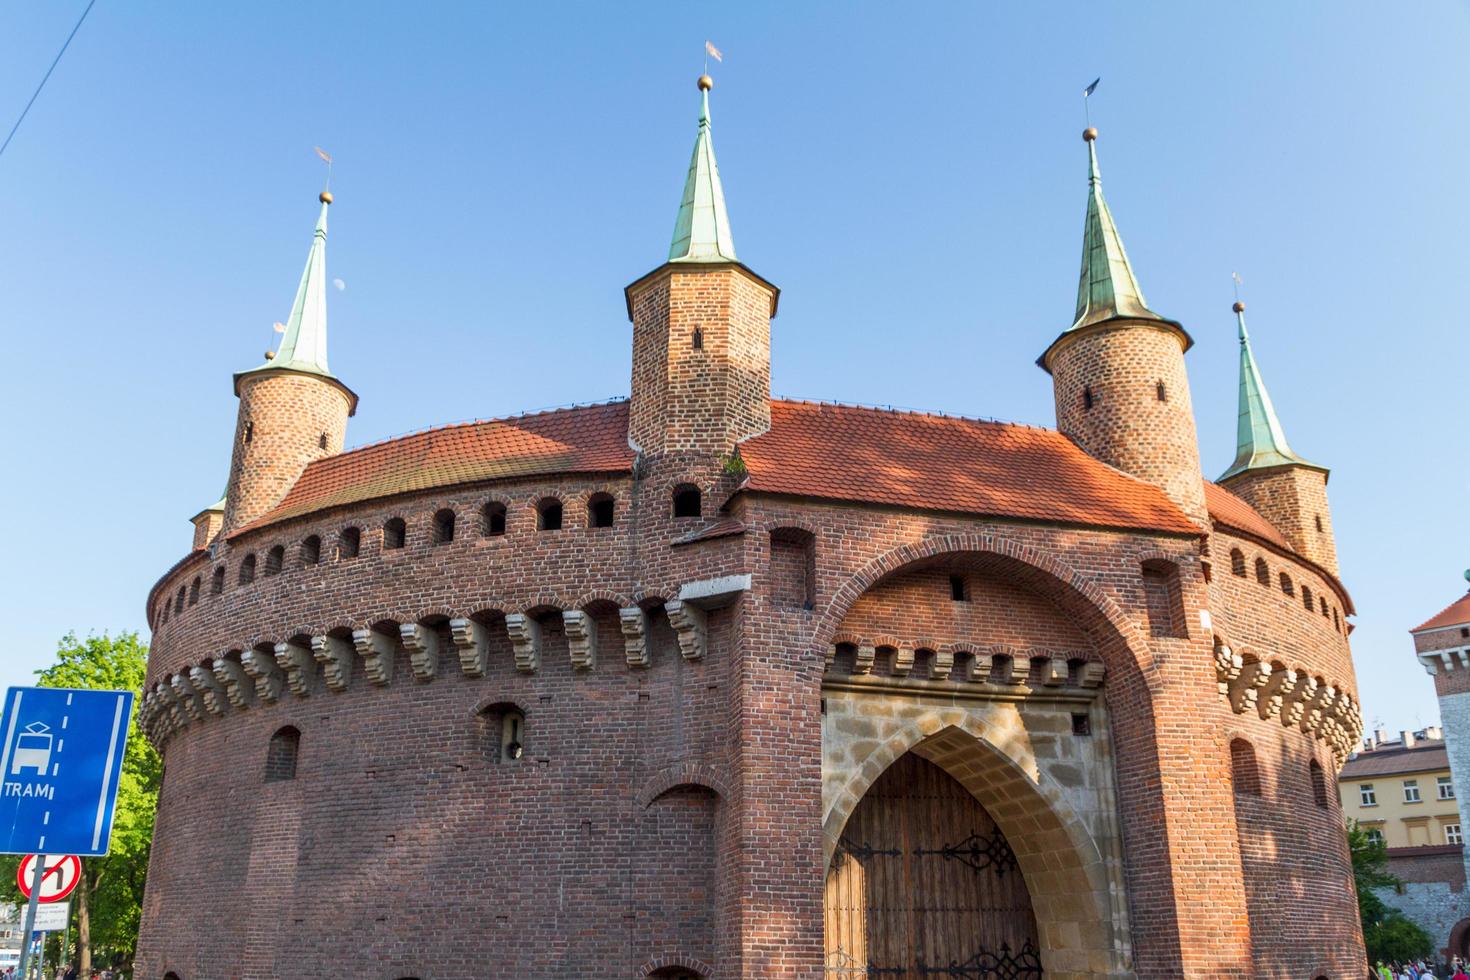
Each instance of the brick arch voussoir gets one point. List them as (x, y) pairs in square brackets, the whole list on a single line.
[(546, 601), (847, 595), (433, 612), (686, 773), (677, 960), (653, 597), (601, 595), (489, 604)]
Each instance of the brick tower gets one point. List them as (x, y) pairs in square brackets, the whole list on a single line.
[(701, 328), (292, 409), (1289, 492), (1118, 371)]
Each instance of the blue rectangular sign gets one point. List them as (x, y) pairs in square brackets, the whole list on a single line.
[(59, 768)]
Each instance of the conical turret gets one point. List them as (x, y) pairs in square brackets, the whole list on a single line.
[(1260, 442), (702, 228)]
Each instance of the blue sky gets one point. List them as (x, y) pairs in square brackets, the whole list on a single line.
[(910, 175)]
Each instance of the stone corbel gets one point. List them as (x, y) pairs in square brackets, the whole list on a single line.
[(633, 621), (525, 639), (1294, 708), (942, 665), (581, 630), (1093, 672), (295, 661), (980, 666), (472, 640), (691, 626), (903, 661), (152, 716), (171, 714), (377, 650), (1055, 672), (1312, 721), (1245, 689), (422, 644), (266, 673), (210, 690), (187, 697), (1228, 666), (335, 656), (232, 678), (1275, 693), (862, 661)]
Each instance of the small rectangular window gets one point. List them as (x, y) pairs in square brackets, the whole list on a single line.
[(1081, 725), (957, 588), (1411, 791), (1452, 834), (1446, 787), (1366, 795), (1375, 836)]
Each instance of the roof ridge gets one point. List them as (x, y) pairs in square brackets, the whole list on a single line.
[(905, 410), (466, 423), (1425, 625)]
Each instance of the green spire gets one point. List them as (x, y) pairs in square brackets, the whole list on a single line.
[(304, 343), (1260, 442), (702, 230), (1107, 288)]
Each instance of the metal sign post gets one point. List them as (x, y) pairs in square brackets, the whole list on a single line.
[(31, 903)]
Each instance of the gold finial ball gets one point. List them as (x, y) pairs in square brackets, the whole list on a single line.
[(325, 197), (705, 83), (1090, 133), (1238, 307), (270, 355)]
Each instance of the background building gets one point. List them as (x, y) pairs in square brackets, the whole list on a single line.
[(701, 683), (1402, 792)]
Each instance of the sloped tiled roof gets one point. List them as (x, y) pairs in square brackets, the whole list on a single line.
[(932, 462), (1228, 509), (1456, 613), (592, 439), (1427, 756)]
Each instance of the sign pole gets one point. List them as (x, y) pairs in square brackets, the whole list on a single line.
[(41, 957), (35, 899)]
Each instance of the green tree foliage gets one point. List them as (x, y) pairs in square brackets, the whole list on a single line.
[(108, 900), (1387, 933)]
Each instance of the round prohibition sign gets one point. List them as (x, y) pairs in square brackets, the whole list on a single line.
[(57, 881)]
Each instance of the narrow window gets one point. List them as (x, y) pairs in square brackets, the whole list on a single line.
[(280, 757), (1318, 518), (957, 588), (1445, 787), (163, 613), (793, 568), (311, 550), (505, 731), (1087, 397), (179, 601), (1163, 599), (548, 514), (1081, 725), (1367, 796), (1161, 392), (1307, 598), (217, 585), (492, 519), (1322, 605), (600, 510), (444, 526), (274, 559), (1237, 562), (1452, 834), (321, 441), (1286, 585), (249, 432), (1319, 784), (194, 591), (395, 533), (1336, 620), (1243, 771), (1263, 574), (349, 542), (1411, 791), (686, 501), (698, 339), (247, 570)]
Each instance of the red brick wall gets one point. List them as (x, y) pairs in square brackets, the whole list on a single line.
[(1294, 500)]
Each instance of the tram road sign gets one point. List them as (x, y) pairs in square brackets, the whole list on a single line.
[(59, 767)]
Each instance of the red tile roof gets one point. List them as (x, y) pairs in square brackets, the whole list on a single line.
[(933, 462), (593, 439), (720, 529), (1228, 509), (1456, 613), (1427, 756)]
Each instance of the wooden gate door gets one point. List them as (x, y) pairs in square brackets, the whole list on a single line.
[(923, 885)]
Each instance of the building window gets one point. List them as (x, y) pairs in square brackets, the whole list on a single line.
[(548, 515), (321, 441), (1411, 791), (1087, 399), (698, 339), (280, 757), (505, 727), (1081, 724), (1161, 392), (686, 501), (217, 585), (311, 550), (1237, 562), (274, 559), (349, 543), (1319, 783), (1464, 632), (1322, 604), (957, 591), (1307, 598), (1245, 776), (1375, 836), (395, 534), (1445, 787), (1452, 834), (1319, 523), (247, 570), (492, 519), (1286, 585), (1336, 621), (1366, 795), (1263, 574), (444, 526), (194, 591), (179, 600), (793, 568), (600, 508), (249, 432), (1163, 598)]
